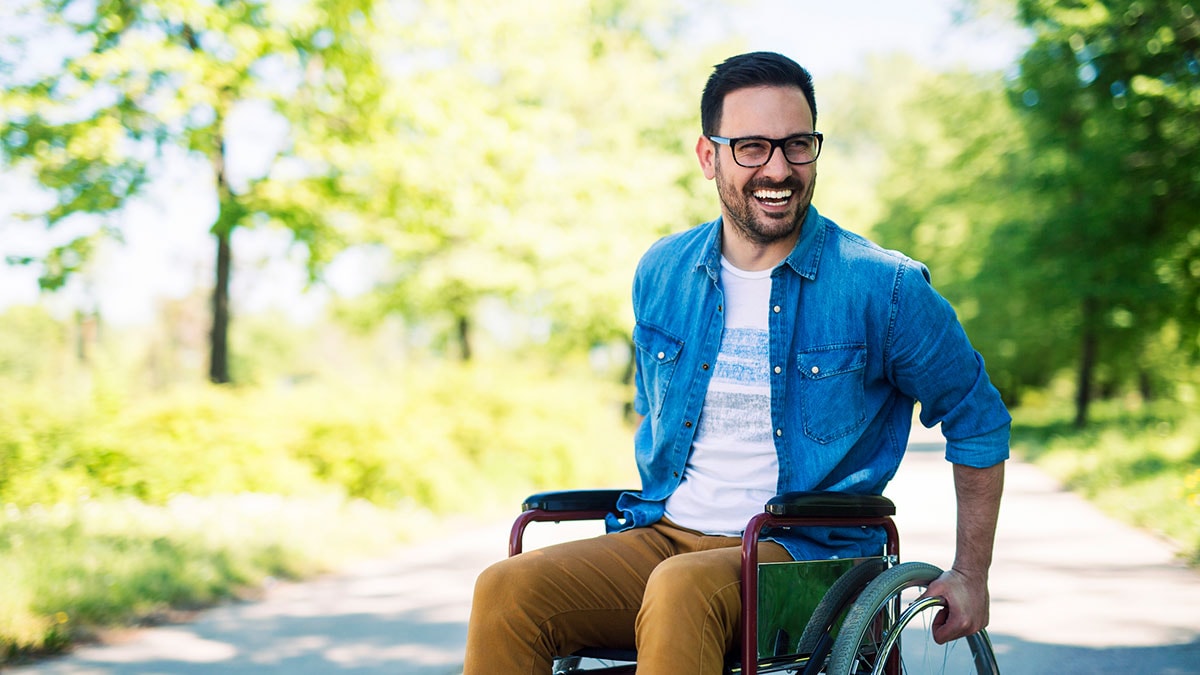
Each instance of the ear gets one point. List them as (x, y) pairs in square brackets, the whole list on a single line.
[(706, 152)]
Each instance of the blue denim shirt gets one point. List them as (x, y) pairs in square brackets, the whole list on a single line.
[(857, 335)]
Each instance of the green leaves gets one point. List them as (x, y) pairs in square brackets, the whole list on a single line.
[(1061, 221), (139, 78), (512, 157), (535, 150)]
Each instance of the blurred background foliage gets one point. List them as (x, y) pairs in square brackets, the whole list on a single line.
[(490, 173)]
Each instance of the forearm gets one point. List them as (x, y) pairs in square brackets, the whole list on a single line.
[(978, 493), (964, 587)]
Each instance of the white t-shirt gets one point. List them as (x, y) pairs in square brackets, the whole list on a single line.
[(733, 469)]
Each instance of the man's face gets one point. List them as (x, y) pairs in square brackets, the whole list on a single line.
[(765, 204)]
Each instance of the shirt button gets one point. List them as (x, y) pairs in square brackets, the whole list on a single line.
[(777, 309), (704, 367), (688, 424), (662, 355), (815, 370), (779, 432), (778, 370)]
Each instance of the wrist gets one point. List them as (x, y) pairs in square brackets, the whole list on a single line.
[(974, 572)]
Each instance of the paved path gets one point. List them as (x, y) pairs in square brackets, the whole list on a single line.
[(1073, 592)]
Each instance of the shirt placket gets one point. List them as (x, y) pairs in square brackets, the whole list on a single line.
[(781, 321), (714, 301)]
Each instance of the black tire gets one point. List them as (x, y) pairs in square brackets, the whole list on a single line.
[(875, 614), (837, 599)]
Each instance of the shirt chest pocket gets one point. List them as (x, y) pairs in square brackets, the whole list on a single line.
[(658, 354), (832, 398)]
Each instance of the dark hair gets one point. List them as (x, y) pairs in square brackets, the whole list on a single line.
[(756, 69)]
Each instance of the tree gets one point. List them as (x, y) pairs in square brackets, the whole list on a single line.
[(136, 83), (1108, 93), (953, 197), (1064, 217), (551, 144)]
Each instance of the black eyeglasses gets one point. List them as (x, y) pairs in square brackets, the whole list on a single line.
[(755, 151)]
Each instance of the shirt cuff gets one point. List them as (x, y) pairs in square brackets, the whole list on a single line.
[(980, 451)]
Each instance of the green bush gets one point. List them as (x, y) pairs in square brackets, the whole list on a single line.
[(446, 431)]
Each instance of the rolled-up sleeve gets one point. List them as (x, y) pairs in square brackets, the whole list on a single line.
[(931, 360)]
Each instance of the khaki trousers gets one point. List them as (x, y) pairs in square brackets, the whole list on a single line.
[(671, 593)]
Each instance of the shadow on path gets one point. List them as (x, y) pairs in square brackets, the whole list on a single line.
[(1034, 658)]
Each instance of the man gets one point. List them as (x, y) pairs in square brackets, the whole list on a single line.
[(775, 352)]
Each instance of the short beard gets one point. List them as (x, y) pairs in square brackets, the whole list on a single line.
[(740, 208)]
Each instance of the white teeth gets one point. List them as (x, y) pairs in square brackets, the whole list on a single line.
[(773, 194)]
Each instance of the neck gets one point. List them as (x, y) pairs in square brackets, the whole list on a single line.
[(752, 256)]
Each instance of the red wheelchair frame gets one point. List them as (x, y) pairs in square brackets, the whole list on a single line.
[(795, 509)]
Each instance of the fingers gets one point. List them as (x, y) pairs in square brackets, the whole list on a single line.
[(966, 610), (952, 624), (943, 629)]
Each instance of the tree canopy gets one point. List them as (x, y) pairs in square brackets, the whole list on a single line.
[(133, 83), (486, 152), (1065, 216)]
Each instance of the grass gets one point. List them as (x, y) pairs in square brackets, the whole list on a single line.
[(1140, 464), (68, 572)]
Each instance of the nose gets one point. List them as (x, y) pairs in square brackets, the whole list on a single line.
[(777, 166)]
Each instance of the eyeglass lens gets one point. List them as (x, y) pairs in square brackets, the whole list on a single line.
[(752, 152)]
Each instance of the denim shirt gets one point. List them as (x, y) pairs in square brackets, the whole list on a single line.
[(857, 335)]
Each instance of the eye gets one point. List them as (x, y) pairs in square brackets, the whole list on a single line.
[(799, 144), (753, 147)]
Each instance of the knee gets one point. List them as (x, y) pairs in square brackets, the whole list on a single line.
[(683, 585), (496, 586), (673, 578), (499, 615), (503, 635), (683, 580), (521, 588)]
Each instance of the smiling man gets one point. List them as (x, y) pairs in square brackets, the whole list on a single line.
[(775, 352)]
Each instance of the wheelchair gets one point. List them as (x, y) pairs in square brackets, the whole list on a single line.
[(868, 621)]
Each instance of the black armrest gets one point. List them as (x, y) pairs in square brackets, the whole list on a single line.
[(830, 505), (574, 500), (561, 505)]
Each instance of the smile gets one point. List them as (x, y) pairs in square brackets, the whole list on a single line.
[(773, 197)]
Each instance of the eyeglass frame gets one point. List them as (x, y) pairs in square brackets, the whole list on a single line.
[(775, 143)]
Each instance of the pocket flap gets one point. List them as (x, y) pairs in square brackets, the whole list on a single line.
[(822, 362), (658, 344)]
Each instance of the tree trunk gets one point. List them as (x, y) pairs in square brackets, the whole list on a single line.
[(227, 219), (218, 370), (229, 215), (464, 338), (1145, 385), (1087, 364)]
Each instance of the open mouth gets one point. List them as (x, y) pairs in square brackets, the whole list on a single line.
[(773, 198)]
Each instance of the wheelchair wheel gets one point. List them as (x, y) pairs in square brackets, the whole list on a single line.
[(836, 600), (887, 631)]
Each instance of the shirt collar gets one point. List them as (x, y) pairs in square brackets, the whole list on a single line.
[(710, 253), (805, 257)]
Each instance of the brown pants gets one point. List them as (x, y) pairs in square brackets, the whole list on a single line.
[(672, 593)]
